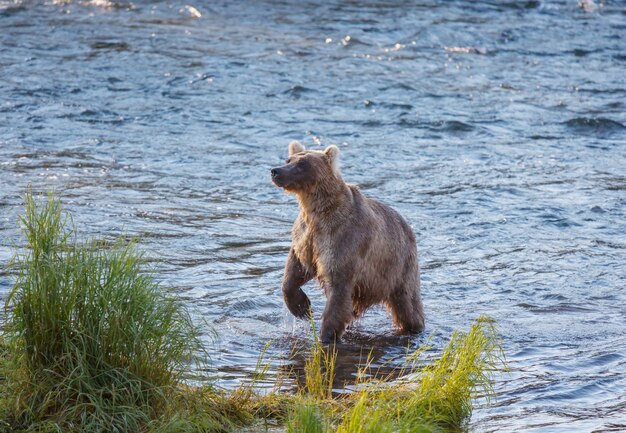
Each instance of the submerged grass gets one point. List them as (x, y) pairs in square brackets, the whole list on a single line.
[(92, 344)]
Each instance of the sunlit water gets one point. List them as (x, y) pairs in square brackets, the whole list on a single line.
[(498, 129)]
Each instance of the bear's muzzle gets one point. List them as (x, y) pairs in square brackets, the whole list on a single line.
[(276, 177)]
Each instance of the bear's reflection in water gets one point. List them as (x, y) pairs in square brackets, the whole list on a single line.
[(359, 356)]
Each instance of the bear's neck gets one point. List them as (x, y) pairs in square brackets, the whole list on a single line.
[(327, 205)]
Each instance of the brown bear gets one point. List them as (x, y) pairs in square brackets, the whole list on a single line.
[(361, 251)]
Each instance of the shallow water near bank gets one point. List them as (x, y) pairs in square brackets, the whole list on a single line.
[(498, 129)]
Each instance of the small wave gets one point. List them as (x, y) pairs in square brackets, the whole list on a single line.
[(531, 4), (398, 86), (451, 126), (95, 116), (610, 244), (466, 50), (558, 220), (446, 190), (579, 52), (372, 123), (105, 45), (559, 308), (597, 126), (351, 41), (390, 105), (554, 297), (108, 4), (606, 358), (297, 91), (544, 137), (8, 8)]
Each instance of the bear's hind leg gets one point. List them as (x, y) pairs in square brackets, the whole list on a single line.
[(338, 312), (407, 310)]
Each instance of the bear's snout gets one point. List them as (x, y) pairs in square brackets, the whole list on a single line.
[(276, 178)]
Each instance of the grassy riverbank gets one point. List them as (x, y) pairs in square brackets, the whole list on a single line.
[(93, 344)]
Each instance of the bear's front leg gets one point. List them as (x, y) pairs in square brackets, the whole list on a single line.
[(338, 312), (295, 276)]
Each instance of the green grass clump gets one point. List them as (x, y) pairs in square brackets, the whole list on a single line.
[(97, 345), (306, 417), (435, 397), (445, 389), (431, 398), (319, 369)]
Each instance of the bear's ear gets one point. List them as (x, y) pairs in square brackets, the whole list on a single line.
[(295, 147), (332, 153)]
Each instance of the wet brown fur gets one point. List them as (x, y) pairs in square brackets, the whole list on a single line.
[(361, 251)]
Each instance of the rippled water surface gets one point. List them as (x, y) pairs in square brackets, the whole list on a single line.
[(497, 128)]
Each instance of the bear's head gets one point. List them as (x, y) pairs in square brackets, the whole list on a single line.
[(306, 169)]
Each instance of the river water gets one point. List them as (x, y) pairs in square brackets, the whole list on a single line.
[(497, 128)]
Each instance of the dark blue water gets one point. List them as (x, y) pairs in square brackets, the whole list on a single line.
[(498, 128)]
